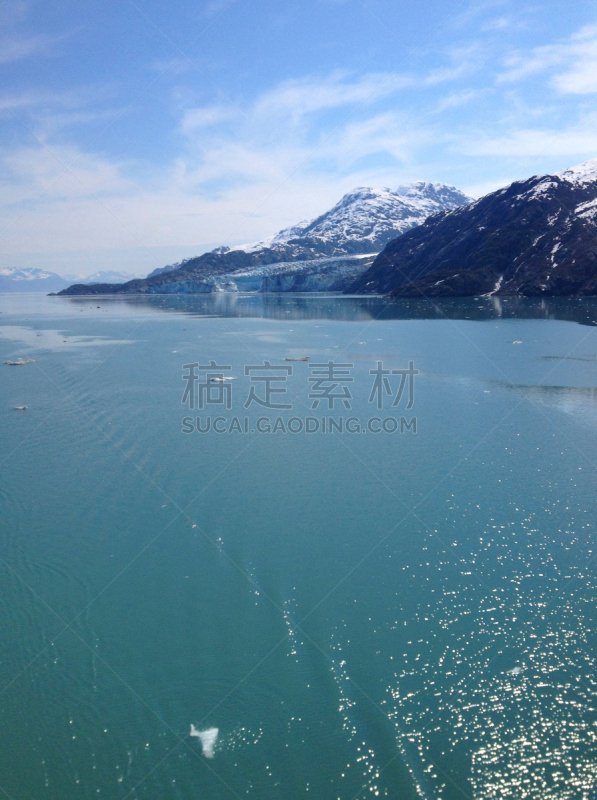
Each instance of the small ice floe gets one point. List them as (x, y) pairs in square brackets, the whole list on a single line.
[(207, 738), (20, 408), (517, 342), (221, 380), (305, 358), (515, 670), (20, 361)]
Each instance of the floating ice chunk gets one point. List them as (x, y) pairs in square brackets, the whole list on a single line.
[(208, 739), (515, 671)]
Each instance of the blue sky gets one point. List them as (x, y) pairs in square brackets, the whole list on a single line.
[(136, 133)]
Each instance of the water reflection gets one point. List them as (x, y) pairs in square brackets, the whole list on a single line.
[(288, 306)]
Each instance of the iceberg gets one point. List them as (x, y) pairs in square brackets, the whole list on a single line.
[(207, 738)]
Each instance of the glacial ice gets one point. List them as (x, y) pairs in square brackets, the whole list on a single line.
[(207, 738)]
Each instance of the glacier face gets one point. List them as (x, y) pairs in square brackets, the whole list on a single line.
[(313, 275)]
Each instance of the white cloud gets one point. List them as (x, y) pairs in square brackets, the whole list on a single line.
[(14, 48), (230, 182), (497, 24), (241, 172), (570, 142), (293, 101), (297, 98), (280, 132), (205, 117), (61, 172), (580, 76), (572, 62), (461, 98)]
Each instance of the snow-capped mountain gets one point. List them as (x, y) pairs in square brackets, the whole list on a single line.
[(534, 237), (581, 173), (359, 225), (109, 276), (283, 237), (28, 279), (366, 219)]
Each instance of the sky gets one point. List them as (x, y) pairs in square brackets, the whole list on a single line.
[(136, 133)]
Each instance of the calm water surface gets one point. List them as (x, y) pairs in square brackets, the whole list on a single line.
[(401, 615)]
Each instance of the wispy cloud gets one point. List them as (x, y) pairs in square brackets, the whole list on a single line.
[(572, 63), (460, 98), (239, 169), (568, 142), (199, 118), (15, 48), (235, 165)]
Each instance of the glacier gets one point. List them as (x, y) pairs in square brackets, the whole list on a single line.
[(312, 275)]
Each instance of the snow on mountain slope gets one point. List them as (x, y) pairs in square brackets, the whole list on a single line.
[(366, 219), (581, 173), (28, 274), (282, 237)]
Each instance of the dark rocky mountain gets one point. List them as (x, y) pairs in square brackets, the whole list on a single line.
[(360, 224), (534, 238)]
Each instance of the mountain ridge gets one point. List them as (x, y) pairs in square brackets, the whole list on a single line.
[(534, 237), (361, 223)]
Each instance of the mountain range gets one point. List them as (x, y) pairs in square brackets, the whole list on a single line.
[(534, 237), (326, 253), (30, 279)]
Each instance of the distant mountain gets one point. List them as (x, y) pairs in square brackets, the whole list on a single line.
[(108, 277), (28, 279), (360, 224), (171, 267), (13, 279), (534, 238)]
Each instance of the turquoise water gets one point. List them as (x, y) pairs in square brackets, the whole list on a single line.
[(401, 615)]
